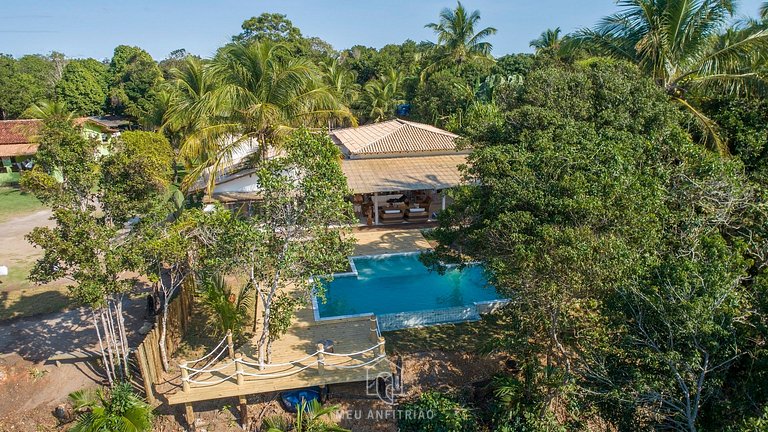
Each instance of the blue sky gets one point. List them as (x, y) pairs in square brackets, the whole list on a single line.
[(90, 28)]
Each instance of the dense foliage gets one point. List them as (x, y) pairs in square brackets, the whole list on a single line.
[(117, 409), (632, 254)]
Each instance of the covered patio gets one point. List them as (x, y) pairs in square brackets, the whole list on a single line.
[(403, 189)]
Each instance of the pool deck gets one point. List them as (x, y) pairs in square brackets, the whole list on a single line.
[(297, 349), (387, 240)]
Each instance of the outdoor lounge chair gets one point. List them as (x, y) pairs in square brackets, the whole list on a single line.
[(419, 214), (390, 215)]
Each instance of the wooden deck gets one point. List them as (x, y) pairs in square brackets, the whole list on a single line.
[(350, 335)]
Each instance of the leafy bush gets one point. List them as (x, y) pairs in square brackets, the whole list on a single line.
[(229, 306), (118, 409), (435, 412)]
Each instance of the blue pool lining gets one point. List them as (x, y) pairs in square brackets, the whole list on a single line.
[(316, 308)]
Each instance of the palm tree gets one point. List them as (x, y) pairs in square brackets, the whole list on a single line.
[(45, 110), (682, 46), (457, 40), (117, 410), (549, 40), (382, 95), (764, 11), (342, 82), (262, 93), (229, 305)]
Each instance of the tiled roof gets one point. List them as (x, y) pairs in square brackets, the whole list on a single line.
[(394, 137), (18, 131), (406, 173), (10, 150)]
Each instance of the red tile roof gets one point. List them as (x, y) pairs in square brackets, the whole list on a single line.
[(18, 131)]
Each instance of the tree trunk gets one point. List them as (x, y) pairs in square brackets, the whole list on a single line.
[(163, 331), (101, 346), (264, 336), (109, 343), (123, 334)]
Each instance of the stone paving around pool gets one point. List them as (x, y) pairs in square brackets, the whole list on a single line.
[(387, 241)]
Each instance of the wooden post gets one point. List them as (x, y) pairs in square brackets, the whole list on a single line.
[(230, 344), (189, 412), (320, 358), (374, 335), (382, 351), (184, 376), (145, 377), (240, 381), (243, 412), (239, 369)]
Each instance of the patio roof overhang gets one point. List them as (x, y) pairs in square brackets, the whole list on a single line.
[(403, 174)]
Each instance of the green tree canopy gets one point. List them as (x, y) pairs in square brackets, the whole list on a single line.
[(134, 77), (136, 175), (24, 82), (618, 240), (261, 95), (83, 86), (458, 41)]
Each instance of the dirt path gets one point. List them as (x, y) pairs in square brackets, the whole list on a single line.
[(30, 384)]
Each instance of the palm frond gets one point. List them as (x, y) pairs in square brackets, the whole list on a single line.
[(710, 136)]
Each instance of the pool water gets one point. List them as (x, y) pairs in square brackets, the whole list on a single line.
[(401, 283)]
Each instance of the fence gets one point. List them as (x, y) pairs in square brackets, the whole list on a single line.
[(148, 357)]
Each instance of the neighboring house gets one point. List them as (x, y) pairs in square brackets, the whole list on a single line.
[(16, 144), (398, 171), (18, 140)]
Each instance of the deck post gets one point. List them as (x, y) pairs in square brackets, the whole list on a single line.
[(243, 411), (374, 336), (443, 204), (382, 351), (188, 411), (190, 415), (184, 376), (239, 369), (320, 358), (230, 344)]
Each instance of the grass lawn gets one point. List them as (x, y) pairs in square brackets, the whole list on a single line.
[(35, 300), (14, 202), (461, 337)]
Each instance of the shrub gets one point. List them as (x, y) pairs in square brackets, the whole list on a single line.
[(435, 412)]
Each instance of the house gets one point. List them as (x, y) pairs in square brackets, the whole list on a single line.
[(398, 170), (18, 140)]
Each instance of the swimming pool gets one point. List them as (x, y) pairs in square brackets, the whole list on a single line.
[(402, 292)]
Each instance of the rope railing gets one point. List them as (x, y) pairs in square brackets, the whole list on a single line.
[(187, 377), (221, 343), (354, 353), (356, 366), (273, 365)]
